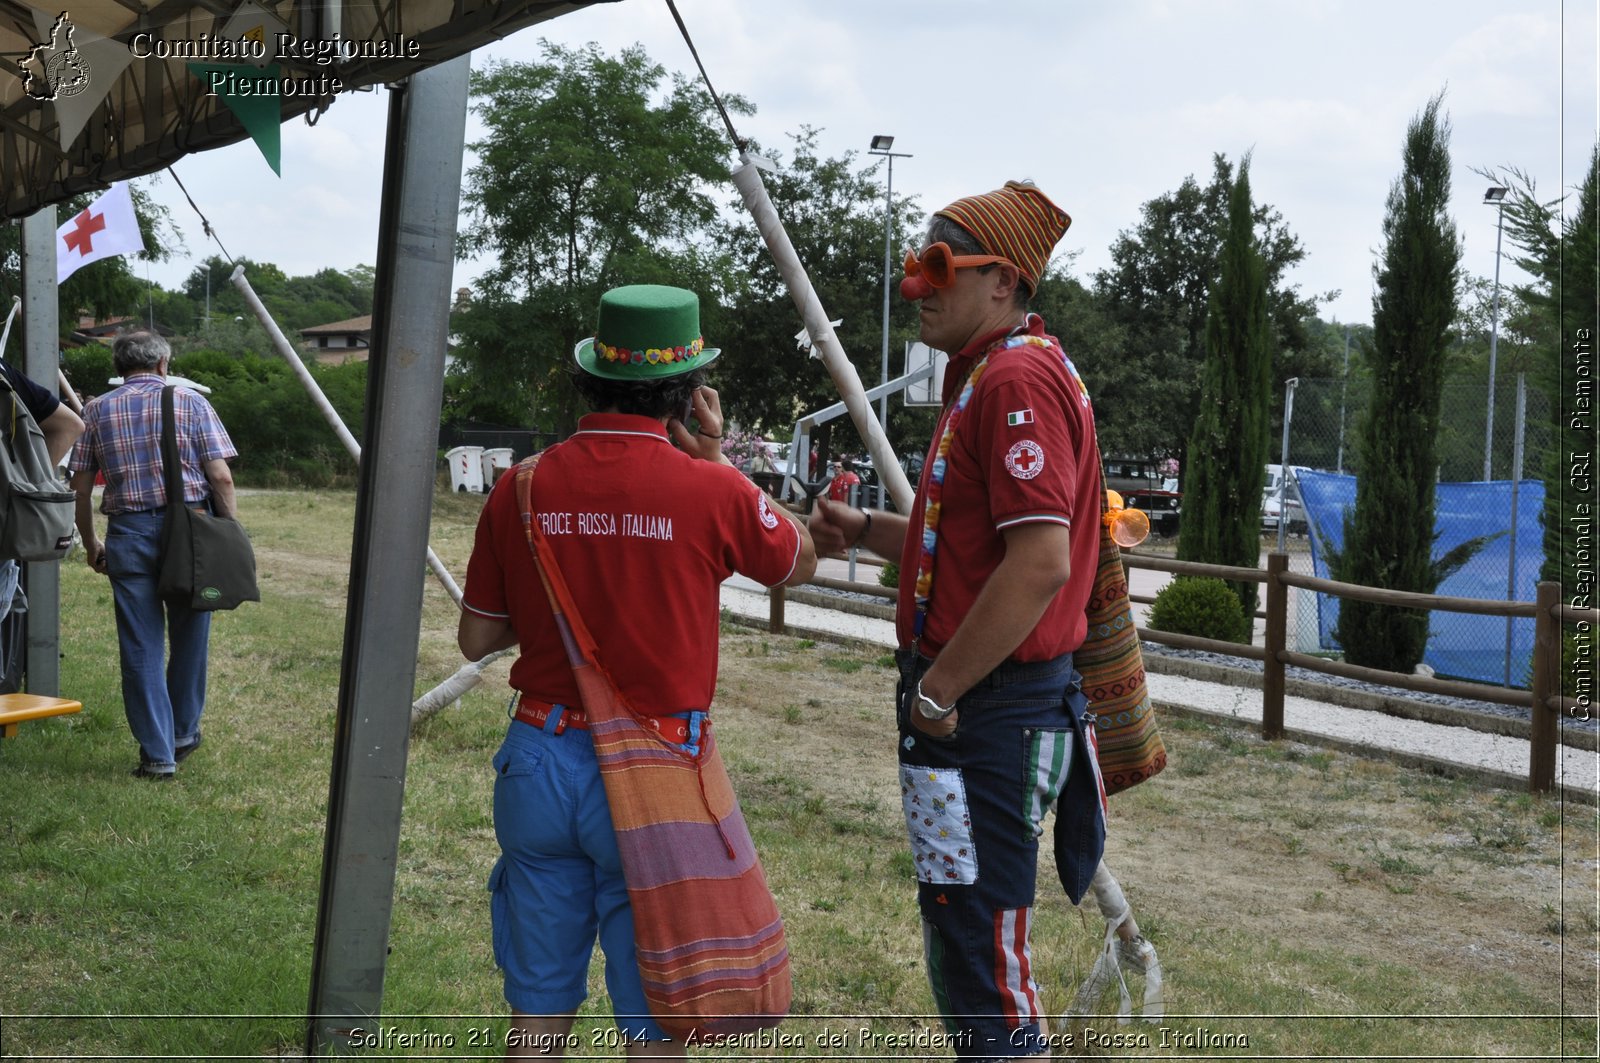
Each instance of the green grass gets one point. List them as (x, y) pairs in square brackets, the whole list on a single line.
[(1276, 881)]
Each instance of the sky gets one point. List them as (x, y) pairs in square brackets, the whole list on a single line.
[(1105, 106)]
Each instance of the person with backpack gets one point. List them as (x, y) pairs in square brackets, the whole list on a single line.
[(61, 428)]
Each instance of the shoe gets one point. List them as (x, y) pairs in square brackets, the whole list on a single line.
[(182, 752), (146, 772)]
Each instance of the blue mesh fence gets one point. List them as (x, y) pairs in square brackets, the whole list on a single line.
[(1324, 435), (1460, 645)]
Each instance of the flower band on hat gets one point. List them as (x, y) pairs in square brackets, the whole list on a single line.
[(652, 355), (645, 332)]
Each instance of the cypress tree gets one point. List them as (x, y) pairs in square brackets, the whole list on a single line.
[(1569, 500), (1389, 538), (1228, 448)]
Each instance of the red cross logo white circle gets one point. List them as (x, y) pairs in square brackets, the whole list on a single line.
[(1025, 460)]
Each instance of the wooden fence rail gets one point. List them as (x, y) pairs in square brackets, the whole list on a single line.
[(1544, 701)]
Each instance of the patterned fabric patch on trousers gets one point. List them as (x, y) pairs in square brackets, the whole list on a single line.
[(1047, 763), (935, 803)]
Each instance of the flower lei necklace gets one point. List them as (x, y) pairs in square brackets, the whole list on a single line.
[(935, 496)]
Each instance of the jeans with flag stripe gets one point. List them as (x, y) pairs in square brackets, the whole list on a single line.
[(975, 803)]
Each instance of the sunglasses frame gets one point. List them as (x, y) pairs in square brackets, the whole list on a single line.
[(915, 264)]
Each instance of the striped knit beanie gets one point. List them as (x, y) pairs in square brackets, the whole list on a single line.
[(1017, 222)]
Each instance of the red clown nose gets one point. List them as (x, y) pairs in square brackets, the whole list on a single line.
[(915, 288)]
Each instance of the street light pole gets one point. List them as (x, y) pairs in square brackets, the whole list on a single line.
[(1497, 196), (880, 146)]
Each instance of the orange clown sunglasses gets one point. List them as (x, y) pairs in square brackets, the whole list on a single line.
[(937, 264)]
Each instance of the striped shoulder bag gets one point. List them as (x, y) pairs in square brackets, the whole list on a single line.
[(1127, 743), (710, 942)]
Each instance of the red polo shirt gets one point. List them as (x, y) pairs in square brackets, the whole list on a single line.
[(1023, 452), (645, 535)]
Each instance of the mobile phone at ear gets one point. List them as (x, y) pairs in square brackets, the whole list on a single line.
[(687, 411)]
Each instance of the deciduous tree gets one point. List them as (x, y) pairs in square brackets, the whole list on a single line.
[(833, 213), (1156, 290), (596, 170)]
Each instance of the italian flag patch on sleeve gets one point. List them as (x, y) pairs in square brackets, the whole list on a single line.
[(1019, 417)]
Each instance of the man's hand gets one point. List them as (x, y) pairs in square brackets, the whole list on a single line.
[(94, 552), (835, 527), (706, 443), (933, 728)]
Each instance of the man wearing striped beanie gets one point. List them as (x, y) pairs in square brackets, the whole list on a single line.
[(1003, 540)]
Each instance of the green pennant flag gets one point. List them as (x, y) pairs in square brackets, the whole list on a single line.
[(254, 98)]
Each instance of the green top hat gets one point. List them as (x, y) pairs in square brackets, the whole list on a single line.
[(646, 332)]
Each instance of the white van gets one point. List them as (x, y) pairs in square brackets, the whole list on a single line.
[(1274, 510)]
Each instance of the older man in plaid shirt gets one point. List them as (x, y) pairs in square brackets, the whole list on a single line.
[(122, 438)]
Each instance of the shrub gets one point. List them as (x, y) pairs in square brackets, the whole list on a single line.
[(889, 575), (1200, 606), (88, 369), (1572, 658)]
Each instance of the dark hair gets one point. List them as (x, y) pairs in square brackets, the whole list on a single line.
[(664, 397), (961, 242), (138, 350)]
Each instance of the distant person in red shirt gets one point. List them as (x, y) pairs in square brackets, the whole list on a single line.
[(645, 533), (844, 478)]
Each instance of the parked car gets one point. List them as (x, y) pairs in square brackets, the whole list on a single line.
[(1134, 474), (1162, 507)]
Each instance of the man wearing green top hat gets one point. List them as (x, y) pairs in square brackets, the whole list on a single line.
[(646, 519)]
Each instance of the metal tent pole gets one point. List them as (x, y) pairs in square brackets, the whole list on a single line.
[(41, 327), (405, 390)]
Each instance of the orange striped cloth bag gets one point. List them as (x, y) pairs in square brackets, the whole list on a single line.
[(1127, 743), (710, 942)]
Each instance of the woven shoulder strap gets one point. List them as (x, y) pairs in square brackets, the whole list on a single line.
[(581, 647)]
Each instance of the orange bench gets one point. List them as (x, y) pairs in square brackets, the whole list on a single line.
[(19, 708)]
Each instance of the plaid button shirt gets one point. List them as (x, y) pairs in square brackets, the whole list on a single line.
[(122, 438)]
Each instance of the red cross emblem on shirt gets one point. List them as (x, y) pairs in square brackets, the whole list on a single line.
[(1025, 460), (80, 239)]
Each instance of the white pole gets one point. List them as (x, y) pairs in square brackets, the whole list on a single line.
[(747, 178), (330, 414), (449, 692), (16, 304)]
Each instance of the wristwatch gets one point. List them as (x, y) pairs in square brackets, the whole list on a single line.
[(930, 709)]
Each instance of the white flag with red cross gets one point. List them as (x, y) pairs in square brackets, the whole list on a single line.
[(104, 228)]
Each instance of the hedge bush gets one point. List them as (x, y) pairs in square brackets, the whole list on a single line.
[(282, 438), (1202, 606)]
